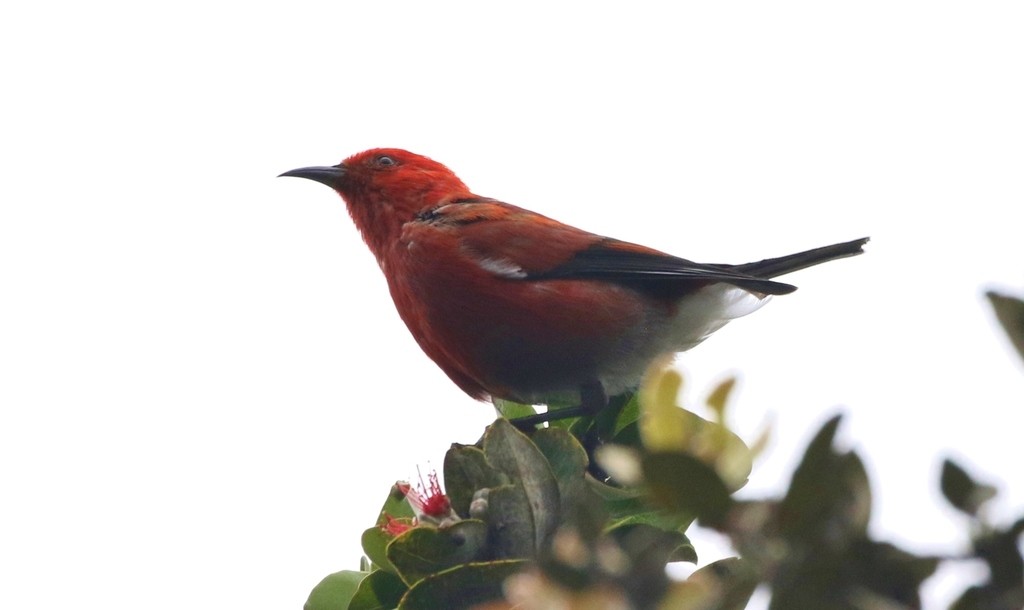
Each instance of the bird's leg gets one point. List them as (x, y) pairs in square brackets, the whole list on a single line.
[(593, 398), (593, 394), (529, 422), (592, 401)]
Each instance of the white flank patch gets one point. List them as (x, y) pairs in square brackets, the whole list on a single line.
[(697, 316), (502, 267), (708, 310)]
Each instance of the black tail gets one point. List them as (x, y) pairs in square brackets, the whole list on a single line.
[(772, 267)]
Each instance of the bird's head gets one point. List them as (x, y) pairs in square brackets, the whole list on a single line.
[(386, 187)]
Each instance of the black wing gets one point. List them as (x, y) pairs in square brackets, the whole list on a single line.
[(626, 263)]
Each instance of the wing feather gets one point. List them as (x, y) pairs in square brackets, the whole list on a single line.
[(520, 244)]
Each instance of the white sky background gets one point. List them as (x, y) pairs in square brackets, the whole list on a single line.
[(205, 389)]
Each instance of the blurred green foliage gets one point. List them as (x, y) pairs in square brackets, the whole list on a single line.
[(537, 521)]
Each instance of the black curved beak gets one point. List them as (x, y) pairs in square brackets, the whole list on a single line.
[(333, 176)]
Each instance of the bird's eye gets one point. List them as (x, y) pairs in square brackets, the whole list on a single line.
[(385, 161)]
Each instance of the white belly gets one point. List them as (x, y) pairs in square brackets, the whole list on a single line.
[(696, 317)]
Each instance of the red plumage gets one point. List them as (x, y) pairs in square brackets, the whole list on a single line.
[(515, 305)]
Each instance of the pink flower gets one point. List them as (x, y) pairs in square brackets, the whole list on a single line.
[(396, 527), (428, 500)]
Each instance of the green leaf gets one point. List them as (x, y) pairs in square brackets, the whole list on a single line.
[(380, 590), (648, 550), (673, 544), (664, 426), (1001, 551), (962, 491), (512, 452), (1010, 313), (565, 454), (720, 447), (568, 462), (335, 591), (605, 423), (577, 426), (510, 522), (620, 503), (987, 597), (395, 506), (684, 483), (858, 573), (627, 507), (719, 398), (461, 587), (467, 471), (727, 584), (675, 523), (511, 410), (629, 414), (684, 551), (888, 571), (635, 511), (422, 551), (628, 435), (375, 543), (829, 494), (568, 423)]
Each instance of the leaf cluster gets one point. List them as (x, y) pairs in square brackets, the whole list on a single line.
[(526, 503), (587, 513)]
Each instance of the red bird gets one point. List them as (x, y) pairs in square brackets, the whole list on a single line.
[(512, 304)]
